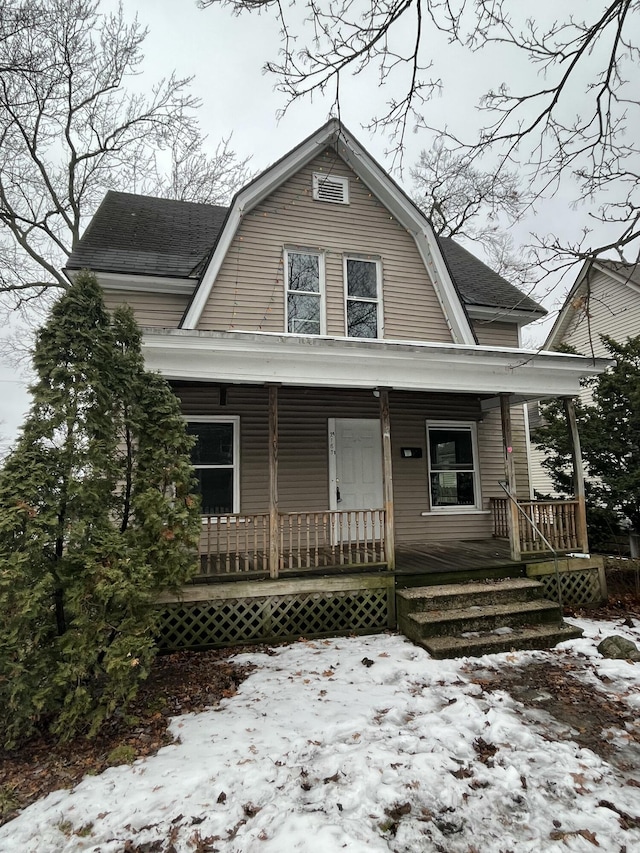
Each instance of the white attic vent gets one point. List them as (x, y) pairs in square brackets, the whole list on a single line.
[(330, 188)]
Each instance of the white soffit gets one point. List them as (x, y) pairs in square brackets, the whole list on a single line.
[(377, 180), (489, 315), (145, 283), (237, 357)]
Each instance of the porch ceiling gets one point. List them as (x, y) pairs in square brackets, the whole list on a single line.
[(250, 357)]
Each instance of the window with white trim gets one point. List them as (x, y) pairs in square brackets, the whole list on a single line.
[(452, 453), (215, 458), (363, 307), (304, 274)]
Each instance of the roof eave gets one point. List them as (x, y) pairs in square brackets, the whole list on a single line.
[(520, 316), (258, 358), (140, 282)]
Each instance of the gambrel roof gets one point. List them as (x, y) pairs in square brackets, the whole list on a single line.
[(144, 235), (141, 235)]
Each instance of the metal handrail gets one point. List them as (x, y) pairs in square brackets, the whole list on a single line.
[(505, 488)]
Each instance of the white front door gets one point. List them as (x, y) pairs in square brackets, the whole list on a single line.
[(355, 464)]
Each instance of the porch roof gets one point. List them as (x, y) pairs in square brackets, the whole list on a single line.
[(271, 358)]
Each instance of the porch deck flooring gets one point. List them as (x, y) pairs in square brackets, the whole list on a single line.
[(436, 557), (421, 559)]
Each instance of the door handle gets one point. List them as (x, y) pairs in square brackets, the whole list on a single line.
[(338, 498)]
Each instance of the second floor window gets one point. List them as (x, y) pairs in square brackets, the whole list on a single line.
[(304, 292), (363, 308)]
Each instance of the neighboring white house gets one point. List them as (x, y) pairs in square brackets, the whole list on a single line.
[(604, 300)]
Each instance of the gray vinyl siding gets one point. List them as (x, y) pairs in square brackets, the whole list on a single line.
[(541, 482), (163, 310), (303, 478), (613, 309), (249, 291), (496, 333)]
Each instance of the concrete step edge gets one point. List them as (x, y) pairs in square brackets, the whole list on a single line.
[(471, 588), (538, 637), (537, 605)]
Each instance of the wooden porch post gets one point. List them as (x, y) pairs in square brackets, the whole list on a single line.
[(510, 477), (578, 474), (387, 480), (274, 556)]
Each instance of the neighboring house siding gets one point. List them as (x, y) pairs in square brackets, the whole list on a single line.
[(540, 481), (249, 291), (303, 479), (163, 310), (614, 310), (496, 333)]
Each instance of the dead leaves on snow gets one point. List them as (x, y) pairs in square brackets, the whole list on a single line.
[(563, 835)]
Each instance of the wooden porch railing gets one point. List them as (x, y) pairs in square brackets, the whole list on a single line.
[(557, 520), (239, 544), (311, 540), (233, 544)]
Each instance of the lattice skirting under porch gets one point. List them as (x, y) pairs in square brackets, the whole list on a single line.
[(582, 581), (271, 612)]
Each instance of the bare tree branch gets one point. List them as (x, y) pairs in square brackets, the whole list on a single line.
[(73, 125), (573, 124), (463, 201)]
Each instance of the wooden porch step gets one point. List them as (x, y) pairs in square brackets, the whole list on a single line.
[(528, 637), (483, 618)]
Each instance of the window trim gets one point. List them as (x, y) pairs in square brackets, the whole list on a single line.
[(354, 256), (225, 419), (319, 253), (472, 428)]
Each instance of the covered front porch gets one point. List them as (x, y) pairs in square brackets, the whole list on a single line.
[(441, 426), (275, 543)]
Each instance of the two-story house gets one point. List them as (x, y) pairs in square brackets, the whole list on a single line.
[(355, 384)]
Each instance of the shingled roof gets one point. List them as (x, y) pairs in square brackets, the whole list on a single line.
[(479, 284), (143, 235), (148, 236)]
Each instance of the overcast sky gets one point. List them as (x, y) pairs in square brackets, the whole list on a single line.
[(226, 55)]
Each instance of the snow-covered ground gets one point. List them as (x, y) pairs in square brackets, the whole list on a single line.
[(363, 744)]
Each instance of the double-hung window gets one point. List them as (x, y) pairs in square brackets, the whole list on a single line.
[(362, 294), (453, 465), (304, 272), (215, 458)]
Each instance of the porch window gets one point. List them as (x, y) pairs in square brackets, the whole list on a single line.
[(304, 271), (453, 466), (362, 291), (215, 459)]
